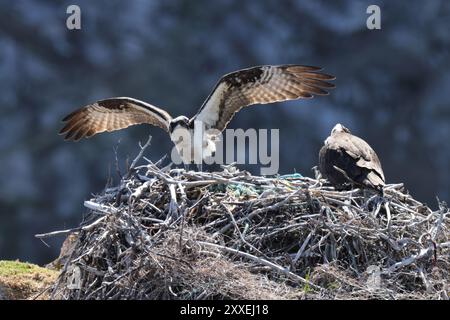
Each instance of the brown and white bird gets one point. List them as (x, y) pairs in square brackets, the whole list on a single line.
[(256, 85), (346, 159)]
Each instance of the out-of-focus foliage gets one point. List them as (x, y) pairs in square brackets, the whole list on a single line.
[(392, 90)]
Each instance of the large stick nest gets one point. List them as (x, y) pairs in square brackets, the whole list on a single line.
[(174, 234)]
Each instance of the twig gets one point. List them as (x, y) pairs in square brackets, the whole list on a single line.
[(99, 207), (141, 152), (265, 262), (55, 233), (302, 248)]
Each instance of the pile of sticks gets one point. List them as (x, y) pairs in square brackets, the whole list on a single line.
[(167, 233)]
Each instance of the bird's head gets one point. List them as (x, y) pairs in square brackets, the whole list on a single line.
[(181, 121), (339, 128)]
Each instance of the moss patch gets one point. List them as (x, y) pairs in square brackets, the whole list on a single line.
[(19, 280)]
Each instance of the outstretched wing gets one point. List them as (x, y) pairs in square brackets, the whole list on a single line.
[(110, 115), (263, 84)]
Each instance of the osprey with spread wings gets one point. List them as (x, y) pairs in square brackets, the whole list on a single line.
[(256, 85)]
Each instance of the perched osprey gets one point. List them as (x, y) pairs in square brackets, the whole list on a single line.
[(257, 85), (346, 159)]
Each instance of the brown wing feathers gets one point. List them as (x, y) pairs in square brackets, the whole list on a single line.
[(110, 115), (278, 83), (264, 84)]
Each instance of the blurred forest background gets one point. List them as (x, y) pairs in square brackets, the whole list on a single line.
[(393, 90)]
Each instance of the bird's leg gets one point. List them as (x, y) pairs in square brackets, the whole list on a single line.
[(317, 173), (364, 193), (381, 192), (187, 166), (200, 167)]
